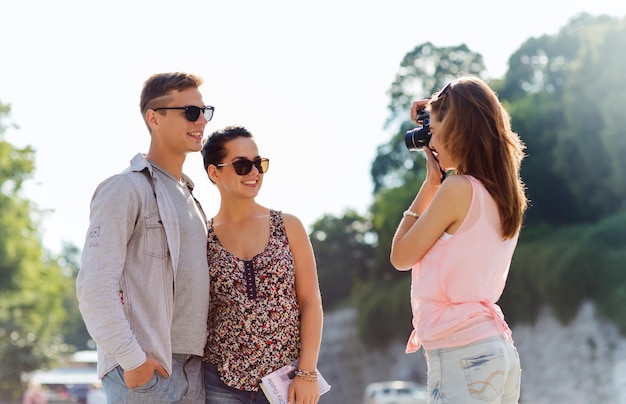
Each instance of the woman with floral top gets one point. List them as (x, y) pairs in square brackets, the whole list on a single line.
[(265, 308)]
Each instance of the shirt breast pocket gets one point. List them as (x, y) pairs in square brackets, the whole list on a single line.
[(156, 242)]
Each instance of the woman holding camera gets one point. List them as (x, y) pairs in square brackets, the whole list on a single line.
[(458, 237)]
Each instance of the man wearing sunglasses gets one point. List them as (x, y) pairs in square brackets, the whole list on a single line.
[(143, 286)]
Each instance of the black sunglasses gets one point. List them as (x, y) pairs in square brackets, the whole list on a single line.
[(244, 166), (444, 90), (192, 113)]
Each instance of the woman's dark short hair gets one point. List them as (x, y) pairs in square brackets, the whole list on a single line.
[(214, 148)]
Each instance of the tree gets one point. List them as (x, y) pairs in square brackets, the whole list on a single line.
[(592, 144), (426, 69), (543, 64), (384, 311), (563, 94), (540, 64), (76, 334), (344, 254), (538, 118), (30, 280)]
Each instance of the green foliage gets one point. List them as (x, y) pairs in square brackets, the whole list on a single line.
[(343, 251), (563, 93), (75, 331), (384, 311), (540, 65), (562, 267), (605, 263), (593, 139), (16, 165), (30, 319), (426, 69), (536, 118), (31, 283)]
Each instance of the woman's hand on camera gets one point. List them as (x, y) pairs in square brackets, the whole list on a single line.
[(433, 169), (416, 106)]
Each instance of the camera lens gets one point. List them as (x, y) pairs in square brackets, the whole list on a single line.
[(411, 140), (418, 138)]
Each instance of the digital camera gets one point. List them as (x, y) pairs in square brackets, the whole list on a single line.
[(418, 138)]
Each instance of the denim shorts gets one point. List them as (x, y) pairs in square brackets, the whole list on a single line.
[(185, 385), (218, 392), (486, 371)]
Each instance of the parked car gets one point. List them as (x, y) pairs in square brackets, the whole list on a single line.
[(70, 382), (395, 392)]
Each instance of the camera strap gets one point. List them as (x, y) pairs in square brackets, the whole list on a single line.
[(443, 174), (441, 170)]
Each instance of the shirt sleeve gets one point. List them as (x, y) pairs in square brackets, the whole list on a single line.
[(113, 212)]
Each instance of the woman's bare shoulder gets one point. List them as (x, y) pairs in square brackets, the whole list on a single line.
[(457, 185)]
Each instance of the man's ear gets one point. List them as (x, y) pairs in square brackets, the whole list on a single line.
[(152, 119)]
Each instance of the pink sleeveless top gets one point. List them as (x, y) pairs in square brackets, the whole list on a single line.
[(455, 286)]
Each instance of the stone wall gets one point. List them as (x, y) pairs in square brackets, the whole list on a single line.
[(583, 362)]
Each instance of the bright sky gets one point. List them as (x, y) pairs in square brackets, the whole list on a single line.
[(308, 78)]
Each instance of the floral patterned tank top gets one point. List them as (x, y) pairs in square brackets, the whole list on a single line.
[(254, 318)]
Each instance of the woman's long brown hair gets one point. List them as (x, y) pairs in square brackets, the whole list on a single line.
[(476, 131)]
